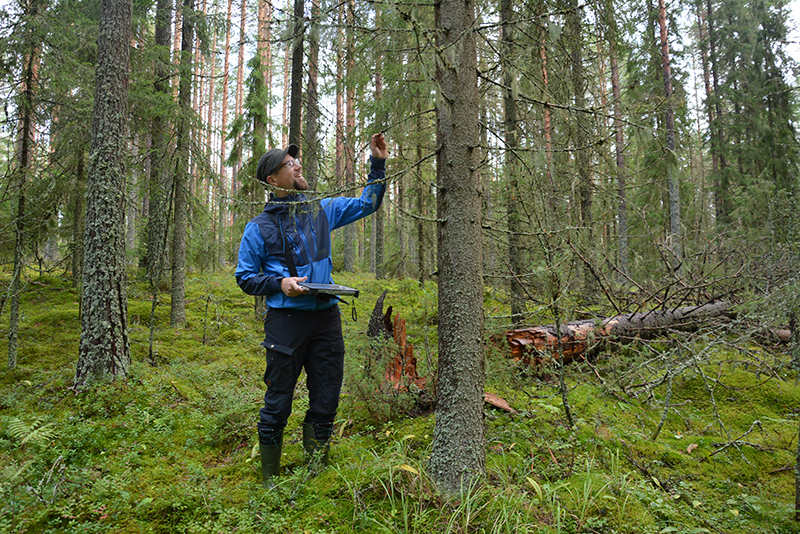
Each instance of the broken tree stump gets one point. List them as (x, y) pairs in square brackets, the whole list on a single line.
[(401, 370), (578, 340)]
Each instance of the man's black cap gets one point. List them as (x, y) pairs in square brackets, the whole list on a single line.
[(272, 160)]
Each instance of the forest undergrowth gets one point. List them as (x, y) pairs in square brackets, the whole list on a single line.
[(685, 434)]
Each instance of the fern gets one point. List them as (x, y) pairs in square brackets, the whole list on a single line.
[(37, 431)]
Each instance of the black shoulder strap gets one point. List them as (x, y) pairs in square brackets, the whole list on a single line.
[(287, 253)]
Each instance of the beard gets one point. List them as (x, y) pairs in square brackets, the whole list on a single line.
[(300, 184)]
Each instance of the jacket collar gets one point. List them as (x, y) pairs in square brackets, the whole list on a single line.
[(275, 204)]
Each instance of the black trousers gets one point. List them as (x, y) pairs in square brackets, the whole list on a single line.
[(295, 340)]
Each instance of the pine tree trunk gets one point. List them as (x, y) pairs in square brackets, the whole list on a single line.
[(237, 166), (104, 349), (550, 171), (178, 303), (458, 454), (223, 175), (211, 63)]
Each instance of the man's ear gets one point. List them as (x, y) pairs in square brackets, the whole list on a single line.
[(271, 180)]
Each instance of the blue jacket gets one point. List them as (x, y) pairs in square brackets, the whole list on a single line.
[(307, 226)]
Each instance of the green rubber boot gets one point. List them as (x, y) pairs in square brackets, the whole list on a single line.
[(271, 444), (317, 441)]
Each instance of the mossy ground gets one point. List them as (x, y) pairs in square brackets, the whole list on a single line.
[(173, 447)]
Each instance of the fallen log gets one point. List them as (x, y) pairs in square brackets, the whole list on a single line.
[(578, 340)]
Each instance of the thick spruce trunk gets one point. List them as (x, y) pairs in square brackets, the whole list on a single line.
[(458, 454)]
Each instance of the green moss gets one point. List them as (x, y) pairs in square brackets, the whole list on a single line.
[(169, 449)]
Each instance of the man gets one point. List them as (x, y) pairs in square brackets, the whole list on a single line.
[(287, 244)]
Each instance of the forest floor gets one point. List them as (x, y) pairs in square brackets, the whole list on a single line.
[(682, 434)]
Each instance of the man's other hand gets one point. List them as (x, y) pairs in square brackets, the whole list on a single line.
[(378, 146)]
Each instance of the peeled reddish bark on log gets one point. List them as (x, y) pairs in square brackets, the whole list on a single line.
[(579, 339)]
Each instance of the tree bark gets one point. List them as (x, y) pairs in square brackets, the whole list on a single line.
[(223, 175), (458, 454), (421, 194), (512, 135), (296, 97), (674, 240), (619, 141), (378, 219), (349, 247), (104, 346), (78, 194), (161, 180), (178, 303), (237, 166), (25, 144), (312, 150), (539, 345), (581, 145), (721, 183)]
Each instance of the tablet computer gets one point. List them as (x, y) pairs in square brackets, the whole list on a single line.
[(328, 289)]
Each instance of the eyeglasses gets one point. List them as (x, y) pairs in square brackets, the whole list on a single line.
[(291, 164)]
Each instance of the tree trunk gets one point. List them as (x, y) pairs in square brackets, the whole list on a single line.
[(223, 175), (580, 147), (794, 338), (349, 252), (550, 171), (581, 339), (421, 194), (212, 66), (178, 304), (721, 185), (161, 180), (340, 75), (312, 150), (78, 194), (24, 162), (237, 166), (378, 219), (619, 140), (674, 240), (296, 97), (104, 346), (512, 135), (458, 455)]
